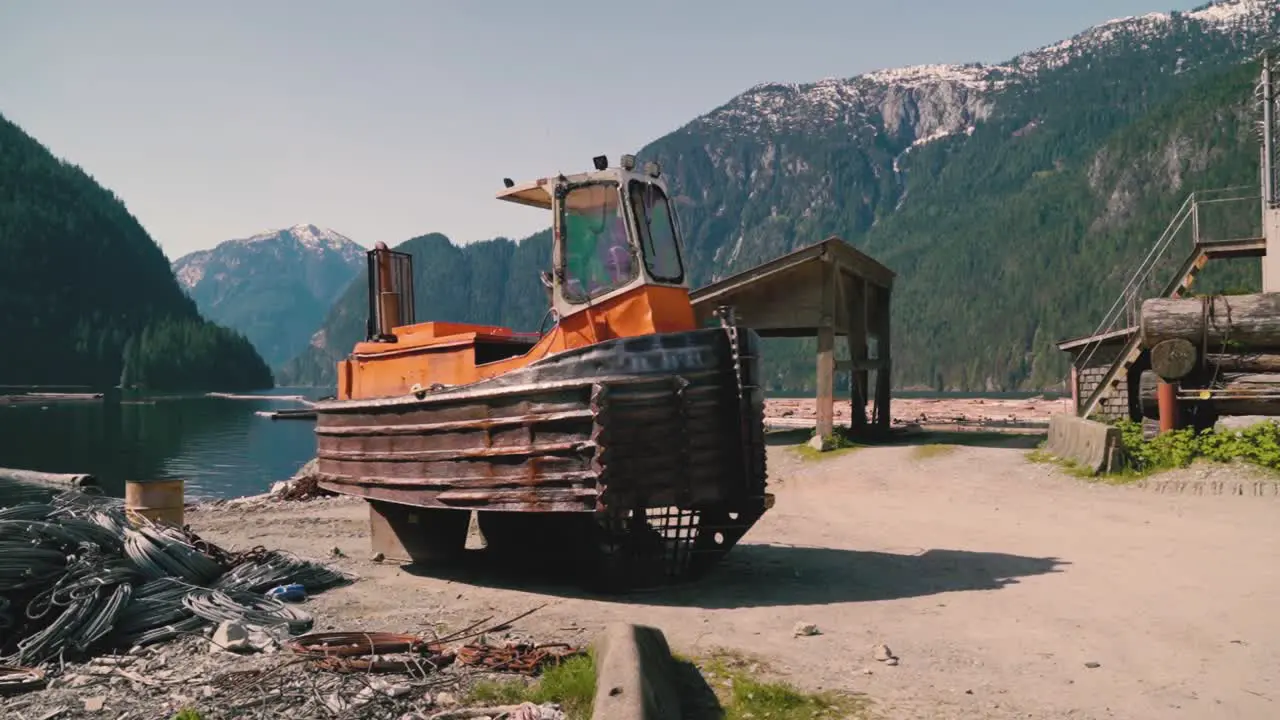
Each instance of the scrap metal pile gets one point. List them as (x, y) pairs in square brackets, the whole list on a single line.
[(78, 578)]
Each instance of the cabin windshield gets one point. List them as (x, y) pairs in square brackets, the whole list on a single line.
[(598, 258), (657, 232)]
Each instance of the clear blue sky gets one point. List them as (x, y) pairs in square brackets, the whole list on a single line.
[(386, 119)]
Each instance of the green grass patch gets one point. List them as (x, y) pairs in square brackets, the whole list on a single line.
[(926, 452), (744, 694), (188, 714), (1074, 469), (571, 683)]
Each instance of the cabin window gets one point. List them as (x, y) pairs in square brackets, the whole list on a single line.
[(598, 258), (657, 232)]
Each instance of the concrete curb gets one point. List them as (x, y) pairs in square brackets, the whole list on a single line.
[(635, 675), (1090, 444)]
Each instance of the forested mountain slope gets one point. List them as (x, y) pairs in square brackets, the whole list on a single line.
[(87, 298), (275, 287)]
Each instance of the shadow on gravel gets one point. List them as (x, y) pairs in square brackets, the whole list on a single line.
[(776, 576), (1028, 440), (697, 700)]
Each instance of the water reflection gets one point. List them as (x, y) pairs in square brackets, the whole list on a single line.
[(219, 446)]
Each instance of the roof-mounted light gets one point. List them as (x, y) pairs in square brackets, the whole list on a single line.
[(600, 161), (628, 162), (508, 182), (652, 169)]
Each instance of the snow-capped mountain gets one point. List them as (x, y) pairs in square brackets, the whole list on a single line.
[(761, 144), (932, 101), (274, 287)]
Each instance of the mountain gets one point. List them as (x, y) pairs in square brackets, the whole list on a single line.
[(86, 296), (275, 287), (1011, 199), (494, 281)]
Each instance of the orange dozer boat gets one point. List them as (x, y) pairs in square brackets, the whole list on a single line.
[(624, 439)]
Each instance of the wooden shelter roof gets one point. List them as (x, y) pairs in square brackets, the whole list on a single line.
[(783, 297)]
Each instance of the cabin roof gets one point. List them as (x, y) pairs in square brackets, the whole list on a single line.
[(1115, 337), (535, 193), (782, 298)]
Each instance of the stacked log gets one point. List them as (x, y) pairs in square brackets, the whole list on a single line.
[(1227, 344), (1242, 394), (1244, 321)]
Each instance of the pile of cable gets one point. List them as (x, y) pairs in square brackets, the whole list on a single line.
[(156, 615), (248, 608), (78, 577), (260, 570)]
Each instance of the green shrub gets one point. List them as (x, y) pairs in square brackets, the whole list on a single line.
[(1259, 444)]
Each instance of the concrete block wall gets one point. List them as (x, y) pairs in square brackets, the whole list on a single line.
[(1115, 404)]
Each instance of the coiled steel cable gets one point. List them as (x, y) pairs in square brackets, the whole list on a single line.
[(30, 511), (155, 605), (77, 574), (23, 566), (49, 642), (265, 570), (107, 611), (217, 606)]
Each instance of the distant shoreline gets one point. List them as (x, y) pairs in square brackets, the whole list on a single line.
[(997, 411)]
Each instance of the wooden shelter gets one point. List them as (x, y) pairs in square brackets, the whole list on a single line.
[(823, 290)]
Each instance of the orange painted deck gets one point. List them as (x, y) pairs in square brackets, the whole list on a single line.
[(449, 353)]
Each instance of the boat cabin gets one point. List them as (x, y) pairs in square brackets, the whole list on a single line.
[(617, 270)]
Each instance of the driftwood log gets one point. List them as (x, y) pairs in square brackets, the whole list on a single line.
[(1222, 321), (1248, 394), (32, 477)]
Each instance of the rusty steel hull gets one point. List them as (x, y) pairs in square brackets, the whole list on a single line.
[(659, 421)]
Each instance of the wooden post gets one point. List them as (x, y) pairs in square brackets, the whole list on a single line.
[(1167, 397), (857, 328), (884, 376), (826, 353), (1075, 387)]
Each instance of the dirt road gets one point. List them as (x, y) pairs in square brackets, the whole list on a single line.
[(995, 580)]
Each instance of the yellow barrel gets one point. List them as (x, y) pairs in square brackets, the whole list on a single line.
[(158, 500)]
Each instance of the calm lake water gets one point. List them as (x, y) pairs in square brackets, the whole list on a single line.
[(220, 447)]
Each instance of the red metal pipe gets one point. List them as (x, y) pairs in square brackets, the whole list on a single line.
[(1167, 401)]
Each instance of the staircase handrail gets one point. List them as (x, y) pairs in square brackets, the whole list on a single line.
[(1128, 304), (1140, 276)]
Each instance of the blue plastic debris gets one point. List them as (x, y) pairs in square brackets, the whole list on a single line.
[(288, 593)]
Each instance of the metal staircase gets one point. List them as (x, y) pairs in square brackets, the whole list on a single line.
[(1184, 248)]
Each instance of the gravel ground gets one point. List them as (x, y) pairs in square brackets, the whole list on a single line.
[(1005, 588)]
